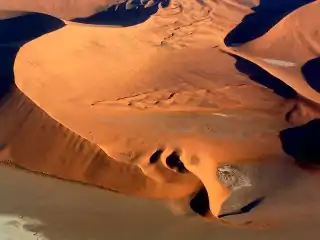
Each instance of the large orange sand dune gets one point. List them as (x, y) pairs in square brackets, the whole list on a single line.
[(167, 99)]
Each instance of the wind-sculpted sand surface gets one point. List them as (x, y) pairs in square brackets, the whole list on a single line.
[(211, 106)]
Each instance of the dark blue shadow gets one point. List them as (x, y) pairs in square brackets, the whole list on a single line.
[(20, 30), (302, 143), (261, 76), (121, 16), (14, 33), (264, 17), (245, 209), (311, 72)]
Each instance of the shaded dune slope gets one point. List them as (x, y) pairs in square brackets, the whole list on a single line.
[(273, 51), (34, 141), (179, 116), (189, 118), (264, 17)]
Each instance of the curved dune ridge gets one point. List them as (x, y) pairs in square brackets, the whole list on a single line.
[(205, 103), (51, 149), (296, 67)]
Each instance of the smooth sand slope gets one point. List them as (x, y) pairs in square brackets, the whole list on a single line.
[(181, 98)]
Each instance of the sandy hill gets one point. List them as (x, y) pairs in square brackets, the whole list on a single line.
[(161, 99)]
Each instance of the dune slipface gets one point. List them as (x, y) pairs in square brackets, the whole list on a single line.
[(292, 50), (163, 108)]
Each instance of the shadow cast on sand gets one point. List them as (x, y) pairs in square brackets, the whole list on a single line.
[(245, 209), (16, 32), (265, 16), (298, 142), (302, 143), (122, 16), (261, 76), (310, 71)]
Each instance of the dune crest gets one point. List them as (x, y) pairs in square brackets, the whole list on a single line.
[(296, 32), (155, 100), (58, 152)]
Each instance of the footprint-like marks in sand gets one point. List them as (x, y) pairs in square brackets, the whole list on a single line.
[(184, 23), (180, 98)]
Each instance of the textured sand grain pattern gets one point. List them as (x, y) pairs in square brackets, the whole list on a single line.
[(210, 105)]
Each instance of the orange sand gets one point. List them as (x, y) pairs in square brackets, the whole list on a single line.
[(154, 109)]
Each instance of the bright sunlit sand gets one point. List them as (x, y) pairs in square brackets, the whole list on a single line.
[(211, 107)]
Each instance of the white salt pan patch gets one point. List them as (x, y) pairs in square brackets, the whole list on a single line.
[(16, 228), (232, 178), (278, 62)]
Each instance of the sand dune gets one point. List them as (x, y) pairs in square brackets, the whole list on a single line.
[(294, 42), (163, 98), (57, 151)]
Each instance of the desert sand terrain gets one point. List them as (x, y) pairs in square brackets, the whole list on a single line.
[(57, 210), (210, 106)]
